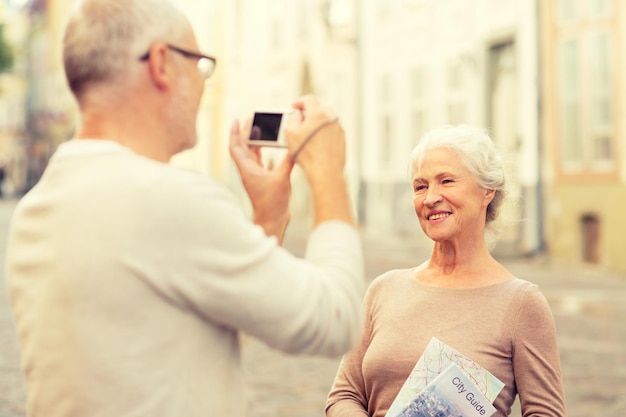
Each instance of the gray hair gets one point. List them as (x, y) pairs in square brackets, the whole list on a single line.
[(477, 150), (103, 38)]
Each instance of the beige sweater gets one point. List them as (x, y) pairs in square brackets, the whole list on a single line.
[(507, 328), (130, 279)]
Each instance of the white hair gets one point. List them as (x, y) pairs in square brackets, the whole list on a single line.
[(103, 37), (476, 149)]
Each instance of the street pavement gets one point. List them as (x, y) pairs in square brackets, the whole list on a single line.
[(588, 304)]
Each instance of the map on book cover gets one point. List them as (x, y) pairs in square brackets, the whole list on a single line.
[(436, 357), (450, 394)]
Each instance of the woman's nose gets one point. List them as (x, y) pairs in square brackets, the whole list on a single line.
[(432, 196)]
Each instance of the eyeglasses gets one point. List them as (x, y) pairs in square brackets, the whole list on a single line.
[(206, 64)]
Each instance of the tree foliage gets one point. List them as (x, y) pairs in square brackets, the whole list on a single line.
[(6, 53)]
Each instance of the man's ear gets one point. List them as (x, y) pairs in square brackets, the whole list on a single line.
[(158, 64)]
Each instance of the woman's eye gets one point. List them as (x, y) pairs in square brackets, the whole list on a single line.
[(448, 181), (420, 187)]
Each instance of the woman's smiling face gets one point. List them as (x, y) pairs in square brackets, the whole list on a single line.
[(447, 199)]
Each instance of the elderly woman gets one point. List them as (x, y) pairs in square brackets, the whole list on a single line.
[(461, 295)]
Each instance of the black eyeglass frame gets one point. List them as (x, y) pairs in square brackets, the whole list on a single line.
[(188, 54)]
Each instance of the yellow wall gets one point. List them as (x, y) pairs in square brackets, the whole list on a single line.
[(567, 197), (568, 203)]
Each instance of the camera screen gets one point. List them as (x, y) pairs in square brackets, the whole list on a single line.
[(265, 126)]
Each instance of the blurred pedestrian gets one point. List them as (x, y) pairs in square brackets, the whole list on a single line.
[(3, 174), (130, 279), (461, 295)]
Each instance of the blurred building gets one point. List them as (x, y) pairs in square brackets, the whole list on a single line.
[(428, 63), (584, 130), (210, 155), (269, 52), (544, 76), (13, 86), (50, 108), (278, 50)]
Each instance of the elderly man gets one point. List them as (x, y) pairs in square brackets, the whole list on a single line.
[(131, 279)]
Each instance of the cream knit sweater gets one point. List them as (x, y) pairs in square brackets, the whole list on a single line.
[(130, 279)]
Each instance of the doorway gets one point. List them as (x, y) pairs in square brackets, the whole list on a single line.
[(502, 110)]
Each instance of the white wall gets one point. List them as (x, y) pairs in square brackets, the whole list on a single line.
[(399, 36)]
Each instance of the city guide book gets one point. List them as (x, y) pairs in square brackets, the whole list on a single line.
[(450, 394), (437, 357)]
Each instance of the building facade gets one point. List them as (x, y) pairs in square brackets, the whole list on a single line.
[(50, 108), (275, 51), (13, 86), (584, 130), (546, 78), (428, 63), (269, 53)]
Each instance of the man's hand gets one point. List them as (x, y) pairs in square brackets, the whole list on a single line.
[(316, 142), (269, 190)]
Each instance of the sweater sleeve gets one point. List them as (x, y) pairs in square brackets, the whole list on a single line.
[(536, 362), (347, 397), (223, 268)]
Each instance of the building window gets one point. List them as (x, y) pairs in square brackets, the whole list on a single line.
[(570, 11), (586, 95), (386, 142), (340, 13), (276, 11), (457, 108), (601, 100), (418, 106), (571, 132), (417, 128), (585, 74)]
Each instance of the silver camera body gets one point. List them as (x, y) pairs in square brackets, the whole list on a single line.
[(268, 127)]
